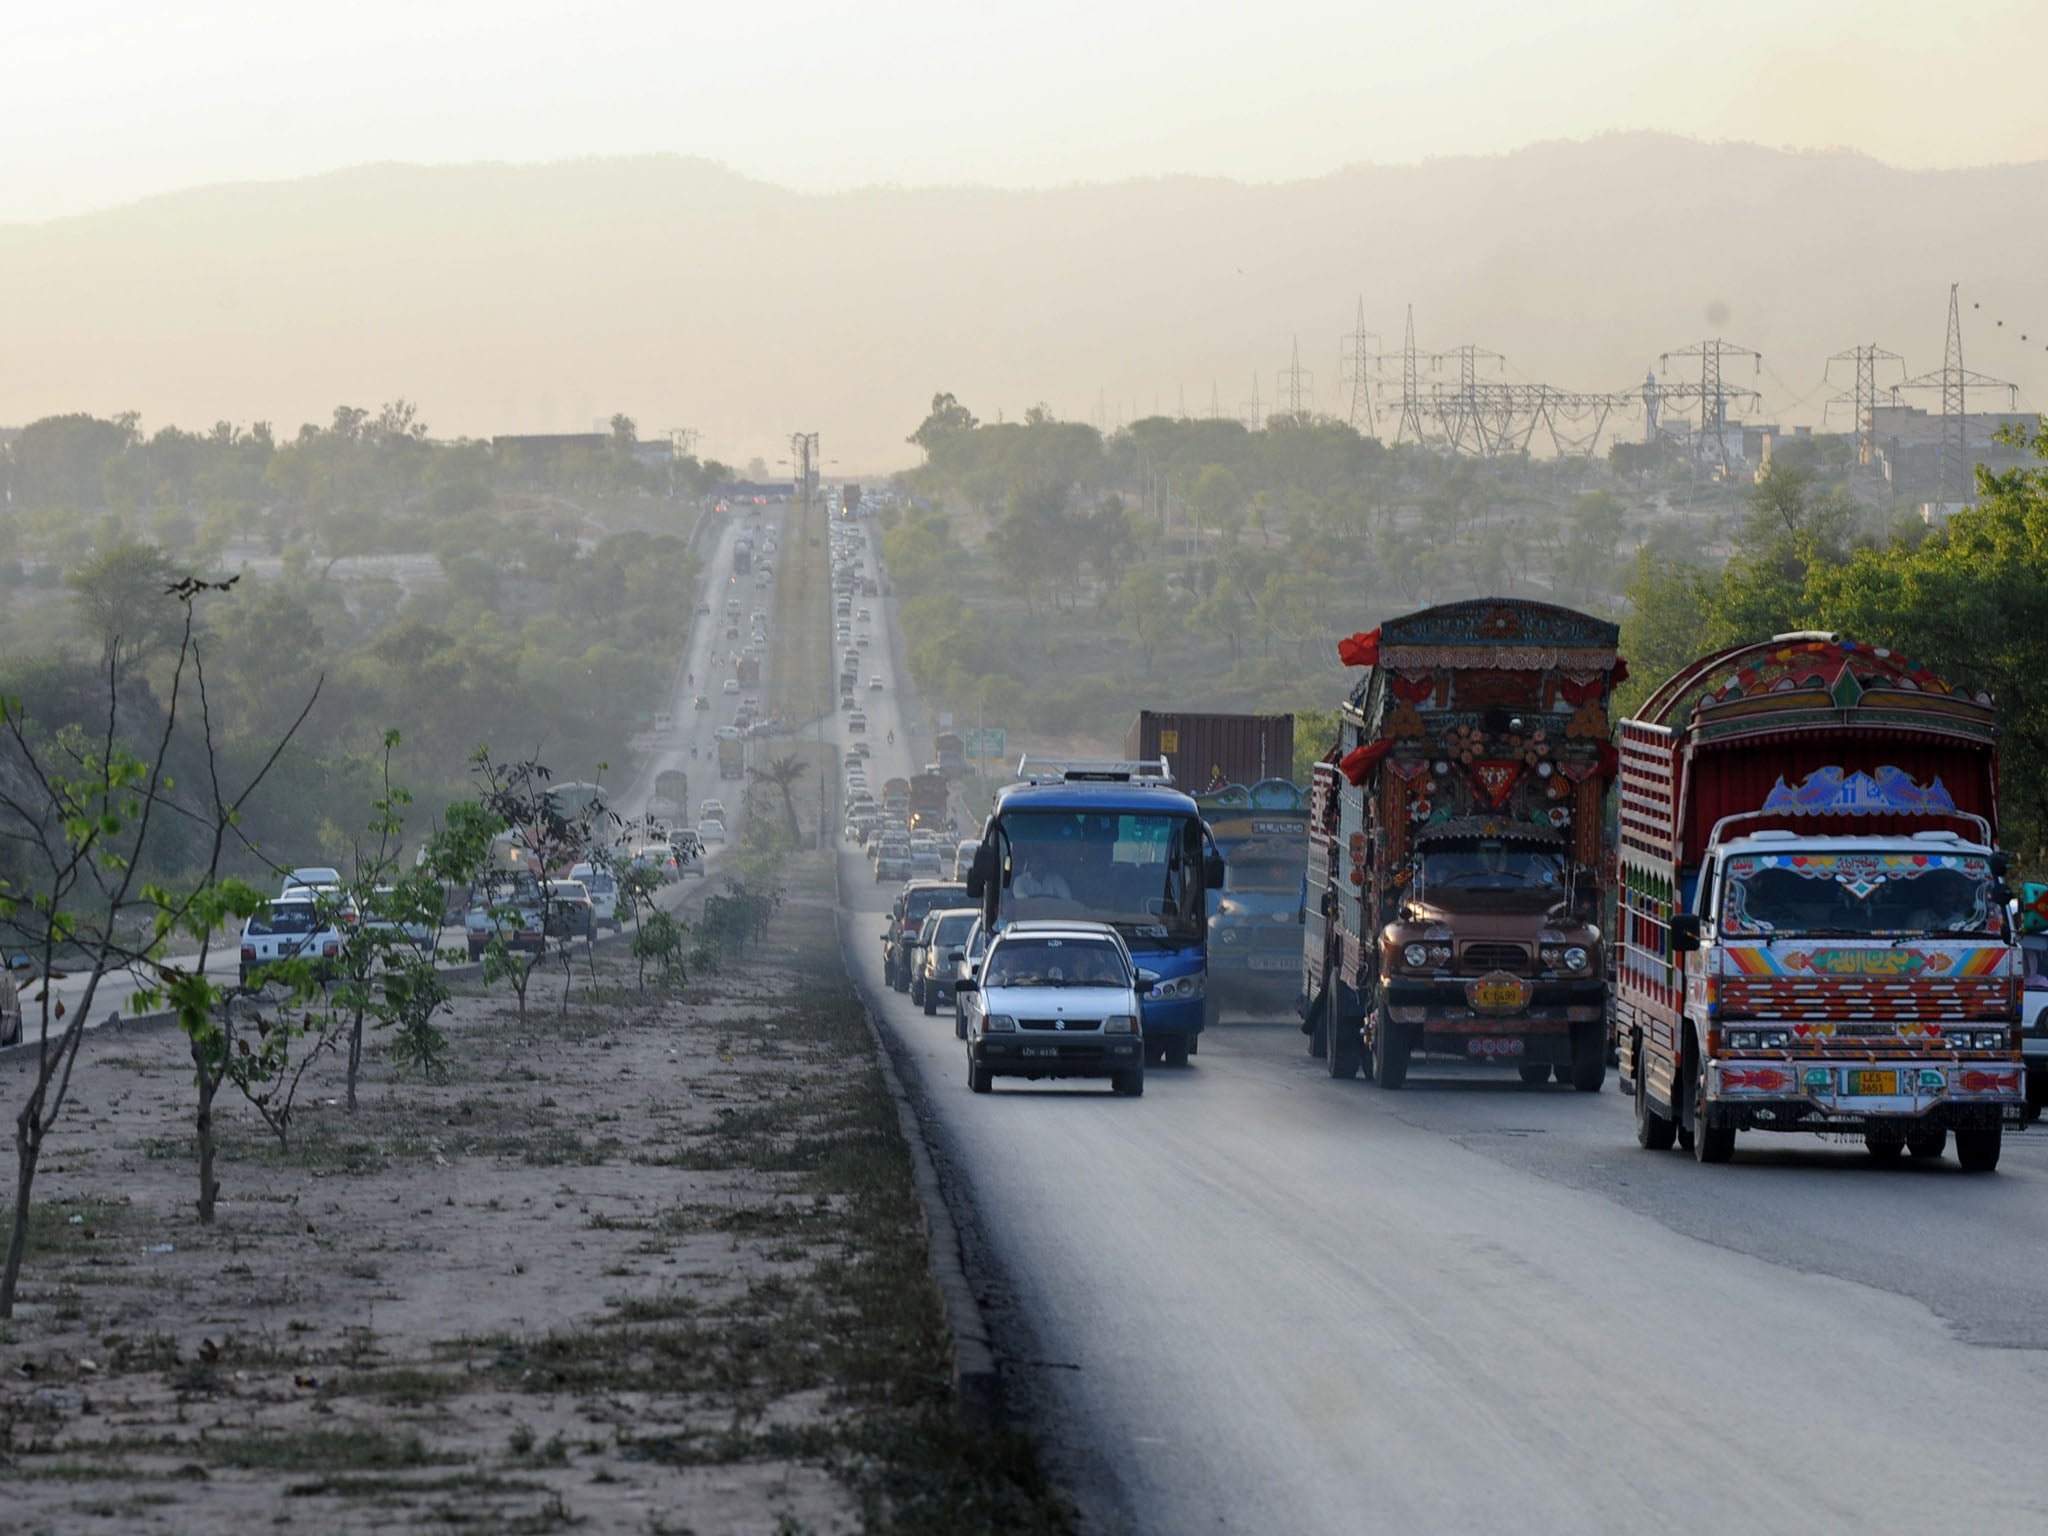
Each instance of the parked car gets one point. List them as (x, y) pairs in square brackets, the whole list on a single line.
[(303, 924), (941, 940), (907, 913), (1055, 999), (603, 887)]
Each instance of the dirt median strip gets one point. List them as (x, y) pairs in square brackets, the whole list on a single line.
[(653, 1261)]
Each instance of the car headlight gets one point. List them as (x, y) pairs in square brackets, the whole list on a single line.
[(1120, 1024), (999, 1024), (1415, 956)]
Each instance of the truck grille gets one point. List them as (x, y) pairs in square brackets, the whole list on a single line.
[(1477, 959)]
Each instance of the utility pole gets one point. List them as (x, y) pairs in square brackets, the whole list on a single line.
[(1355, 357), (1862, 395), (1215, 404), (1292, 379), (1714, 394), (1952, 461)]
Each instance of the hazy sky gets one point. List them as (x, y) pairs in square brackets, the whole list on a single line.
[(104, 102)]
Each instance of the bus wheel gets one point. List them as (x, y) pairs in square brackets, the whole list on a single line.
[(1177, 1050)]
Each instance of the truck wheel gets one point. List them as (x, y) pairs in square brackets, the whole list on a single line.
[(1977, 1150), (1710, 1143), (1653, 1132), (1884, 1146), (1533, 1073), (1927, 1143), (1589, 1063), (1317, 1025), (1177, 1050), (1390, 1050), (1343, 1044)]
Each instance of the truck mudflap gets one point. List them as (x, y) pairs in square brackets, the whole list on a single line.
[(1833, 1095)]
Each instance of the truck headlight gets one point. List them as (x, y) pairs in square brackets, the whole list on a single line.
[(1120, 1024), (1415, 956), (1773, 1039), (1742, 1040), (1575, 957), (999, 1024)]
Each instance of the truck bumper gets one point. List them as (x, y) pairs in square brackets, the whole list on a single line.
[(1825, 1095), (1441, 1020)]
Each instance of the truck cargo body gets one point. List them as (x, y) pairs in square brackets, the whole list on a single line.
[(1814, 934), (673, 784), (929, 803), (1458, 845), (1255, 916), (732, 758), (1207, 752)]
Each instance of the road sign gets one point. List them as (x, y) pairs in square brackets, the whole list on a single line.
[(986, 741)]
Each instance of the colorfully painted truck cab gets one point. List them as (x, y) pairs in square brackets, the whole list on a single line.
[(1814, 925)]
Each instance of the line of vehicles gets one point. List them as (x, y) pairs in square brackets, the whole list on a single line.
[(1773, 899)]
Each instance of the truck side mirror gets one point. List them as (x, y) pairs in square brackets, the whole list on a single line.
[(979, 871), (1685, 933)]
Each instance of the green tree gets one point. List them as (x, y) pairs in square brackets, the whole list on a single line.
[(119, 595), (948, 417), (1146, 611), (783, 772)]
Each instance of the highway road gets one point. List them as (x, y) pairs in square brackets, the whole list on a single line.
[(691, 728), (1261, 1300)]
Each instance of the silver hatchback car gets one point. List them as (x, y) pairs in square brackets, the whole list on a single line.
[(1055, 999)]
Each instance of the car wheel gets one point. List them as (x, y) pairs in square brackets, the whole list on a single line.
[(959, 1025), (917, 990), (1131, 1084), (979, 1078), (931, 1003)]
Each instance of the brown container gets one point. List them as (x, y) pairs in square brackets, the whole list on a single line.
[(1206, 751)]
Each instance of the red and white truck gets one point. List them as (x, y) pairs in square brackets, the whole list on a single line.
[(1812, 910)]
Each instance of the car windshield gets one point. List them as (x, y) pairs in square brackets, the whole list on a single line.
[(1141, 872), (1855, 895), (917, 904), (953, 930), (1051, 962)]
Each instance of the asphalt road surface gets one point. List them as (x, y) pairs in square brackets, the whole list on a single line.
[(1260, 1300)]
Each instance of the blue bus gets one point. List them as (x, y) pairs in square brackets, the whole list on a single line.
[(1113, 843)]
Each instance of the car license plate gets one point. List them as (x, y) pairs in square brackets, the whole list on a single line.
[(1497, 994), (1276, 962), (1873, 1082), (1488, 1045), (1040, 1050)]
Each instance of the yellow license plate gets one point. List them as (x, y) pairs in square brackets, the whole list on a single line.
[(1497, 994), (1873, 1082)]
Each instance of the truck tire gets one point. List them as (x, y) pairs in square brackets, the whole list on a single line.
[(1534, 1073), (1343, 1045), (1317, 1024), (1390, 1048), (1589, 1062), (1977, 1150), (1710, 1143), (1927, 1143), (1654, 1133), (1883, 1146)]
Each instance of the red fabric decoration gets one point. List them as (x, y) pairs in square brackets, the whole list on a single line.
[(1360, 761), (1495, 780), (1608, 760), (1360, 650), (1580, 693), (1411, 690), (1620, 673)]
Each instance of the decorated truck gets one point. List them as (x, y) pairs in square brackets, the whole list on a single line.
[(1814, 933), (1255, 915), (1458, 847)]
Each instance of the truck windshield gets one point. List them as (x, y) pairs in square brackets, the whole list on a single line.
[(1281, 876), (1854, 895), (1491, 867), (1142, 873)]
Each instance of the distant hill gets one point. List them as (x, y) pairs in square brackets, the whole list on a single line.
[(507, 299)]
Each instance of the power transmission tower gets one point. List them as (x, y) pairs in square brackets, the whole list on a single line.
[(1409, 428), (1713, 393), (1862, 395), (1293, 378), (1952, 461), (1255, 416), (1355, 358), (1215, 404), (1469, 419)]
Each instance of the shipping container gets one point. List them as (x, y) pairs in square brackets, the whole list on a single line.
[(1206, 752)]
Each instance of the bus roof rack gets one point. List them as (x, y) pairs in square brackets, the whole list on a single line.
[(1153, 771)]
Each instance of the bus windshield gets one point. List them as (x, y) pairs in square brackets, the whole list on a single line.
[(1142, 873)]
